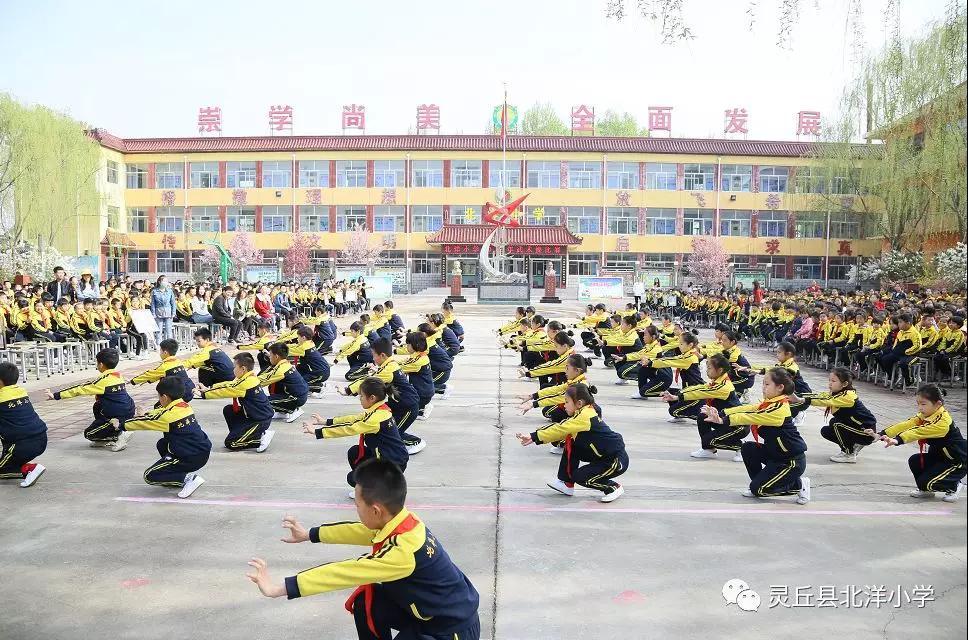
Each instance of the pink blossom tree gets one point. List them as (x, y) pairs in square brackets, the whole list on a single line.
[(708, 263), (357, 249), (243, 252), (297, 259)]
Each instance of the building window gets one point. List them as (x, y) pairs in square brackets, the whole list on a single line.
[(240, 219), (807, 268), (699, 177), (544, 174), (171, 261), (584, 175), (277, 175), (583, 264), (838, 267), (697, 222), (504, 178), (736, 177), (204, 220), (240, 175), (660, 176), (845, 225), (114, 217), (774, 179), (425, 262), (351, 173), (622, 220), (550, 216), (584, 219), (313, 174), (774, 266), (620, 261), (849, 184), (348, 217), (112, 172), (810, 225), (772, 224), (277, 219), (427, 173), (389, 173), (136, 176), (313, 218), (459, 214), (170, 219), (660, 222), (623, 175), (169, 175), (659, 261), (735, 223), (426, 218), (204, 175), (389, 218), (137, 261), (811, 180), (465, 173), (138, 220)]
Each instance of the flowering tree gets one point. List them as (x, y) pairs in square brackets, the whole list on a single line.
[(357, 249), (296, 262), (893, 266), (952, 266), (243, 252), (27, 259), (708, 263)]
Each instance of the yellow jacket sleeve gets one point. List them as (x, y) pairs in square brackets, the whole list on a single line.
[(342, 533), (93, 388), (272, 375), (553, 433), (713, 391), (682, 361), (386, 565), (918, 428), (825, 399), (196, 360), (151, 375), (772, 415), (147, 422), (231, 389), (352, 425)]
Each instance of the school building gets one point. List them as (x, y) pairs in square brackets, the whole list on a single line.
[(594, 206)]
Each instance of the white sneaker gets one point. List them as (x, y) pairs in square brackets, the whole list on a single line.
[(316, 395), (738, 457), (121, 443), (843, 457), (192, 482), (917, 493), (747, 494), (556, 450), (95, 444), (426, 412), (746, 398), (292, 417), (352, 495), (561, 487), (446, 394), (278, 415), (675, 420), (703, 453), (614, 495), (621, 383), (798, 420), (265, 440), (949, 496), (417, 447), (803, 497), (39, 471)]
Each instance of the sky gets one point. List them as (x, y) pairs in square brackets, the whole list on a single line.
[(144, 70)]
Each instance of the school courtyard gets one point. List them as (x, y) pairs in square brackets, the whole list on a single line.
[(93, 552)]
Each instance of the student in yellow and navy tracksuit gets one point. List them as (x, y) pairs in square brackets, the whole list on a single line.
[(169, 366), (544, 348), (906, 345), (184, 448), (548, 371), (628, 365), (407, 582), (587, 439), (212, 363), (940, 463), (849, 418), (23, 435), (786, 354), (249, 414), (111, 402), (719, 393), (776, 465), (624, 340), (657, 374), (551, 400), (742, 381), (950, 345), (263, 339), (416, 364), (511, 326), (356, 352), (288, 390), (310, 363), (378, 434)]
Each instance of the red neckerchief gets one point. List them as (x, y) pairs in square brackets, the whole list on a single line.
[(360, 450), (755, 428), (408, 524), (922, 442), (709, 401)]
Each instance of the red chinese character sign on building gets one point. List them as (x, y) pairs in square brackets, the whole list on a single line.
[(808, 123), (354, 117), (428, 117), (210, 120), (582, 119), (773, 247), (280, 118), (844, 249), (660, 119), (736, 121)]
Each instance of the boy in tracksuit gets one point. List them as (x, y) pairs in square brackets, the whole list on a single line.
[(906, 345), (263, 341), (416, 364), (288, 390), (356, 352), (184, 448), (406, 583), (718, 392), (111, 402), (249, 414), (310, 363), (23, 435), (169, 366), (441, 364), (212, 363)]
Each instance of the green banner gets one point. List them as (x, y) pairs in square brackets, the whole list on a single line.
[(512, 118)]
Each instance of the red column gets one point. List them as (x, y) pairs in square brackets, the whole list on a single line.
[(151, 175), (524, 173), (369, 208), (563, 174), (680, 221), (369, 175), (258, 173), (642, 175), (332, 174), (222, 219), (332, 216), (680, 176), (485, 174), (152, 220), (789, 267), (152, 261), (223, 174), (755, 186), (716, 221), (406, 172), (643, 214), (258, 219), (446, 213), (446, 173), (295, 217), (754, 222), (791, 224)]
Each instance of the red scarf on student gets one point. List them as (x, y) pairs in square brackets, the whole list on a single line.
[(755, 428)]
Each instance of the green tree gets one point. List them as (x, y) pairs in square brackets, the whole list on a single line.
[(620, 125), (541, 120)]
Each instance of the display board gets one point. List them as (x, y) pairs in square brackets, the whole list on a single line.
[(264, 273), (595, 288), (143, 321)]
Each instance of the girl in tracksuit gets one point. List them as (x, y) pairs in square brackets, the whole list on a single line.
[(742, 381), (447, 310), (850, 420), (776, 464), (624, 340), (587, 439), (441, 363), (309, 362), (786, 354), (23, 435), (551, 400), (552, 370), (451, 343), (540, 350), (687, 403), (377, 432), (416, 364), (657, 374), (356, 352), (940, 463), (629, 364)]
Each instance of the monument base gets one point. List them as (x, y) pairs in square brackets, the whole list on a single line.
[(550, 300), (456, 299), (503, 293)]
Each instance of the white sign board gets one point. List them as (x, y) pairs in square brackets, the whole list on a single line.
[(143, 321), (594, 288), (261, 273)]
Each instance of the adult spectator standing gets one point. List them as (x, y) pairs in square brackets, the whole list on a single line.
[(60, 287), (222, 309), (757, 293), (87, 288), (638, 290), (162, 308)]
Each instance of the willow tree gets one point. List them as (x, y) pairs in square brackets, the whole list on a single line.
[(625, 125), (908, 101), (541, 120)]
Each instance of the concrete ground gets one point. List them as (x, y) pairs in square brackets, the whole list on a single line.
[(92, 552)]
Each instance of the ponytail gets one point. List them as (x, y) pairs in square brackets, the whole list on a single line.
[(375, 387), (580, 393), (579, 362)]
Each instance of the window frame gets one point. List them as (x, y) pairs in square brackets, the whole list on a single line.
[(546, 174), (315, 175), (706, 218), (277, 212), (236, 170), (772, 224), (652, 176), (730, 219), (318, 213), (626, 218), (704, 173), (622, 175), (462, 174), (729, 174), (584, 174), (277, 174), (170, 175), (235, 215), (427, 174), (771, 173), (195, 175)]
